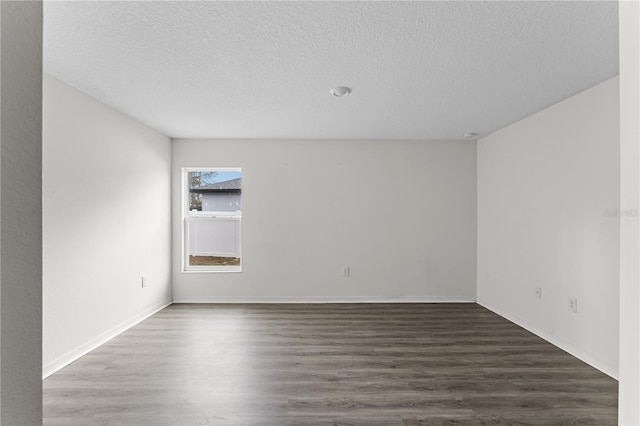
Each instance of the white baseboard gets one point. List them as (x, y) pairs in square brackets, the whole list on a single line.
[(606, 368), (336, 299), (66, 359)]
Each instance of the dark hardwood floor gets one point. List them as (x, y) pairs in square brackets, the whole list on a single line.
[(328, 364)]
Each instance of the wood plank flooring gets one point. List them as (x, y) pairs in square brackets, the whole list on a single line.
[(328, 364)]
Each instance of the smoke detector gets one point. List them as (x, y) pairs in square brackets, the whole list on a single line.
[(340, 91)]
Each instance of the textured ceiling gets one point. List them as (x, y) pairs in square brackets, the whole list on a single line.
[(418, 70)]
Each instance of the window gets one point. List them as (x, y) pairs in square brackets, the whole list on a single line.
[(212, 216)]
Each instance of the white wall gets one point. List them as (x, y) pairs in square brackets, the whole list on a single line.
[(629, 390), (20, 213), (106, 222), (548, 198), (400, 214)]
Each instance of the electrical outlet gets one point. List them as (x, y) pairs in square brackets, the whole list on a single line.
[(144, 282), (539, 292), (345, 271), (573, 305)]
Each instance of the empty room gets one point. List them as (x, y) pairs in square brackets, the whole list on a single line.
[(319, 213)]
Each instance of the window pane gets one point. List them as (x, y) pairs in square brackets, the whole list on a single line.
[(214, 242), (213, 219)]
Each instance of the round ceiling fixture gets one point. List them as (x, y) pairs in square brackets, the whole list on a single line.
[(340, 91), (471, 135)]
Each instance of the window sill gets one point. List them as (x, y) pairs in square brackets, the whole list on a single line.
[(209, 269)]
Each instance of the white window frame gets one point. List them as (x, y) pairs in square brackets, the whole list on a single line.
[(187, 218)]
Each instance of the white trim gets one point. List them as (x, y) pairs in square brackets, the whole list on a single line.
[(212, 169), (211, 269), (334, 299), (187, 217), (212, 215), (71, 356), (214, 253), (598, 364)]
